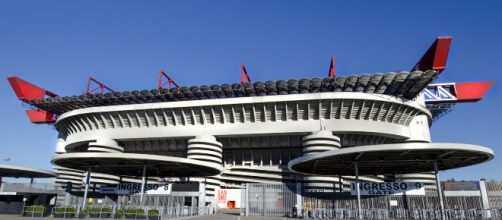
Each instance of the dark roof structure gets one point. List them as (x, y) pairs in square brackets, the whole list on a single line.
[(404, 85), (133, 163), (25, 172)]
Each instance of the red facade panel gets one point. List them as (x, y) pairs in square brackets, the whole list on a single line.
[(27, 91), (436, 56), (40, 116), (441, 53)]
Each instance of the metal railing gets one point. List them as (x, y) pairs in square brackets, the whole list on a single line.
[(64, 212), (146, 212), (33, 211), (378, 214)]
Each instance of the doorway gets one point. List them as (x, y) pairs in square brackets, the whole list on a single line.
[(231, 204)]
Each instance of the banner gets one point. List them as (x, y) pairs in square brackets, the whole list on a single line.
[(388, 188), (132, 188), (461, 186), (222, 195), (165, 189)]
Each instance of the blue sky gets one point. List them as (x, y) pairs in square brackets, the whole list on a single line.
[(58, 44)]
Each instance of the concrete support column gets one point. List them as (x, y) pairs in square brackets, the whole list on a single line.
[(143, 181), (202, 197), (439, 191), (358, 191), (87, 181), (484, 197), (247, 199), (299, 198)]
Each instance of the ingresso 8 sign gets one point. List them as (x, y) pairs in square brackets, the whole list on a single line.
[(389, 188), (132, 188)]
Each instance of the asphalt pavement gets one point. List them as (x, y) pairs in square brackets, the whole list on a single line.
[(224, 214)]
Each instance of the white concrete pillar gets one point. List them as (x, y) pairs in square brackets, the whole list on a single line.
[(358, 191), (87, 181), (484, 197), (143, 180), (439, 191)]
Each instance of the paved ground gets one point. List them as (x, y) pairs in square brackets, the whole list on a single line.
[(234, 217), (225, 216)]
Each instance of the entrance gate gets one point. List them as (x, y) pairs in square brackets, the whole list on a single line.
[(267, 199)]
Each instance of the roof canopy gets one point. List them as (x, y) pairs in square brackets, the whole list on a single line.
[(131, 164), (391, 159), (26, 172)]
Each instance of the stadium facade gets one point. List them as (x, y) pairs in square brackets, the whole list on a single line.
[(251, 131)]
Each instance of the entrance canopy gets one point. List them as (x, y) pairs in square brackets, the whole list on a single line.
[(24, 172), (131, 164), (391, 159)]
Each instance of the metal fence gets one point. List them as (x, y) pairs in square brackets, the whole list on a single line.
[(267, 199), (344, 200), (118, 212), (377, 214), (159, 201), (133, 201), (494, 191), (282, 200)]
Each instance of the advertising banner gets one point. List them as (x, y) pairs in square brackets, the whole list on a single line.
[(461, 186), (108, 190), (388, 188), (222, 195)]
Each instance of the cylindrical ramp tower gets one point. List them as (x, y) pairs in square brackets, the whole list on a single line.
[(108, 146), (105, 145), (66, 175), (319, 142), (207, 148)]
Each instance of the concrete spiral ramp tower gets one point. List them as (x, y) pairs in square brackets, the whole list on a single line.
[(318, 142), (207, 148)]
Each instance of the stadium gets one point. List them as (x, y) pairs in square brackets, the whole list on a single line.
[(229, 135)]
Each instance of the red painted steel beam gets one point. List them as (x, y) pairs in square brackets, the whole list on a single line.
[(472, 91), (101, 87), (436, 56), (244, 75), (26, 91), (170, 82), (332, 68)]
